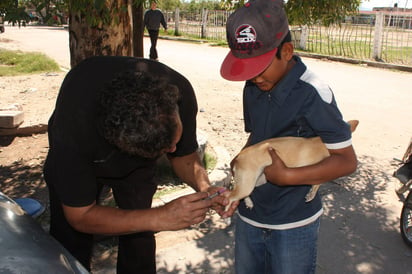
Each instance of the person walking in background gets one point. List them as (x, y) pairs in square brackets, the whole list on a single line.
[(281, 97), (152, 20)]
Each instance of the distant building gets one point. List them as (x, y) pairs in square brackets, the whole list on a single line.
[(392, 9)]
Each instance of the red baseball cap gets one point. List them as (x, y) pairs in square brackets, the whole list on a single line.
[(254, 33)]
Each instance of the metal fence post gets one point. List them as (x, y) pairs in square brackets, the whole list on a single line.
[(204, 23), (177, 19), (304, 37), (378, 37)]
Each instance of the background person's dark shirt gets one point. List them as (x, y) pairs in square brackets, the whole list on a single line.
[(153, 19)]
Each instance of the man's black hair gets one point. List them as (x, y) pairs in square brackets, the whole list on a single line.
[(138, 113)]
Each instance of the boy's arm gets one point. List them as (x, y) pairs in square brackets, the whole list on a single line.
[(341, 162)]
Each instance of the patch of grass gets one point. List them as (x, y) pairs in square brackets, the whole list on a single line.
[(165, 190), (399, 55), (19, 63), (209, 161), (218, 43)]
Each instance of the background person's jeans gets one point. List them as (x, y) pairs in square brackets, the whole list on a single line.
[(261, 250), (154, 35)]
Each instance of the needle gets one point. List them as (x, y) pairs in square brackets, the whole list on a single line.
[(215, 194)]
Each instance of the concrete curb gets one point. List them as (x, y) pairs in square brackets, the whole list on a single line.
[(310, 55), (24, 131), (355, 61)]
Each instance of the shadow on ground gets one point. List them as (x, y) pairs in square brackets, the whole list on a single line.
[(359, 229), (23, 179)]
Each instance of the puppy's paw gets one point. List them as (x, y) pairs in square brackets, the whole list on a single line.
[(311, 194), (228, 221), (248, 202)]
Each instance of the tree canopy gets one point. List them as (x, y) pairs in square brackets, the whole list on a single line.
[(300, 12), (13, 12), (308, 12), (326, 12)]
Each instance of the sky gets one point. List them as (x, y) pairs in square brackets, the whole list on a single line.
[(368, 5)]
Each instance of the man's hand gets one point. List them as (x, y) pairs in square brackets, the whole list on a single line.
[(221, 201), (184, 211)]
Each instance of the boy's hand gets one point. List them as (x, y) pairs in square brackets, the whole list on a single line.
[(277, 173), (230, 209)]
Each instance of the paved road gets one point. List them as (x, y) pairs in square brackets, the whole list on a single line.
[(359, 232)]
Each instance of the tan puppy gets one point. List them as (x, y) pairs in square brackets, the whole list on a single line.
[(249, 164)]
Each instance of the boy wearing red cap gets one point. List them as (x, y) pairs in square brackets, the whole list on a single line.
[(281, 97)]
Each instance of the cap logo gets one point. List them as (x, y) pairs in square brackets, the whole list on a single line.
[(246, 39), (245, 34)]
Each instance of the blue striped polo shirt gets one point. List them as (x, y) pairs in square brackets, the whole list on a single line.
[(299, 105)]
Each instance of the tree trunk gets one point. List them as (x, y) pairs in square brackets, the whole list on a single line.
[(138, 30), (111, 38)]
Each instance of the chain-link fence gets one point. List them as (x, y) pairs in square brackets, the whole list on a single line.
[(384, 37)]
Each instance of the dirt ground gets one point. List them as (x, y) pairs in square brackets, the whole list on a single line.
[(359, 232), (24, 156)]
